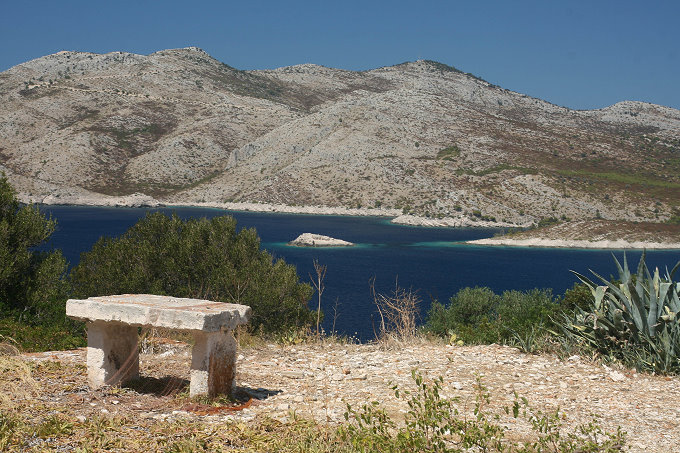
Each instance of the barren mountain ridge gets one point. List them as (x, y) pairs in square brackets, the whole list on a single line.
[(179, 127)]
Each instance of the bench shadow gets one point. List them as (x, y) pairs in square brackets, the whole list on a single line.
[(165, 386), (171, 385), (243, 393)]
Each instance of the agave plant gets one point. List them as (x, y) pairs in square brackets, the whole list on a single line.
[(635, 319)]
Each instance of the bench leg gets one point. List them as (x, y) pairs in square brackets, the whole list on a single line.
[(112, 355), (213, 363)]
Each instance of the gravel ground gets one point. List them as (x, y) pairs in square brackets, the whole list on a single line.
[(318, 380)]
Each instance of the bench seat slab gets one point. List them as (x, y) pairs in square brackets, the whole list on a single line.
[(149, 310)]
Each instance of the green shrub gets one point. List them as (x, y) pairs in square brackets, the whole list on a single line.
[(478, 315), (48, 336), (520, 311), (198, 258), (473, 306), (635, 321), (578, 295), (449, 153), (468, 315), (32, 284), (547, 221)]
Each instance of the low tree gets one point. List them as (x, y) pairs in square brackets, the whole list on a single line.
[(32, 284), (198, 258)]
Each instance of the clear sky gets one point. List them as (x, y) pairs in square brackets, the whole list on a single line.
[(579, 54)]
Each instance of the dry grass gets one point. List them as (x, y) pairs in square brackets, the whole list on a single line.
[(8, 346), (17, 382), (398, 313), (156, 340), (45, 405), (63, 415)]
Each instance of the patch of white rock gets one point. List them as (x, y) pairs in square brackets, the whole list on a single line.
[(318, 240)]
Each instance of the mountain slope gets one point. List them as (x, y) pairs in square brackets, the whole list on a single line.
[(422, 137)]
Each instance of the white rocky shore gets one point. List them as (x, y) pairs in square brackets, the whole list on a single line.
[(318, 240), (396, 214), (86, 198), (135, 200), (462, 221), (578, 244), (284, 208)]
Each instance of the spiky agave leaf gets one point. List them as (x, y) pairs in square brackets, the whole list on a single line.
[(636, 320)]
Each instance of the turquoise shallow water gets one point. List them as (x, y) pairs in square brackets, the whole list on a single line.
[(433, 261)]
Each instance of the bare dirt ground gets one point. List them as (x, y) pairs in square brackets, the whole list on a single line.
[(318, 381)]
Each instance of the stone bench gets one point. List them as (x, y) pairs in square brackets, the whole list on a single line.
[(113, 321)]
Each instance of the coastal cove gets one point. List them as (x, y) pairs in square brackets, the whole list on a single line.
[(435, 261)]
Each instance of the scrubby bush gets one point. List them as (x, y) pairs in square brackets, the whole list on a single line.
[(469, 315), (198, 258), (32, 287), (478, 315), (398, 312), (634, 320), (519, 311), (578, 296)]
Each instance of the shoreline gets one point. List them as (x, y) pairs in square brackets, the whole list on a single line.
[(396, 217), (619, 244), (139, 200)]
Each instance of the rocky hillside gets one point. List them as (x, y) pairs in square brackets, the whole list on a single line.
[(419, 137)]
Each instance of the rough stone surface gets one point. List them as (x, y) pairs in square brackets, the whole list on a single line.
[(112, 356), (421, 138), (213, 364), (318, 240), (146, 310), (319, 380), (596, 233)]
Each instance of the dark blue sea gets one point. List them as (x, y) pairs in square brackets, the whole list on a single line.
[(433, 261)]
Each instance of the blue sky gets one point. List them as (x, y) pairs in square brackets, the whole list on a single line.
[(580, 54)]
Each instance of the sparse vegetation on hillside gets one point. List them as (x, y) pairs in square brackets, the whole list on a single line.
[(433, 423), (33, 419), (132, 123), (449, 153)]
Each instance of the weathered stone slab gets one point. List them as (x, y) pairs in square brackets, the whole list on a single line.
[(146, 310)]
